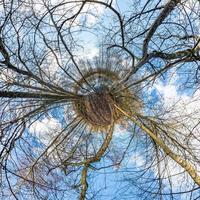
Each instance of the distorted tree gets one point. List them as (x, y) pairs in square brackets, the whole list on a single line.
[(47, 74)]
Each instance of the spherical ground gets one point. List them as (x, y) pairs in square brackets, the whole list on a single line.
[(96, 104)]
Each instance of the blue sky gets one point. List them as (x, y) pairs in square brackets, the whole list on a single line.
[(158, 97)]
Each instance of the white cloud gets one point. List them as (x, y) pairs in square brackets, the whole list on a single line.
[(182, 104), (96, 11), (90, 52), (119, 131), (186, 110), (137, 160), (45, 130), (91, 12)]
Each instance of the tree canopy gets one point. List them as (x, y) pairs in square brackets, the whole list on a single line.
[(99, 99)]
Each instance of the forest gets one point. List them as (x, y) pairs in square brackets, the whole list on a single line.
[(99, 99)]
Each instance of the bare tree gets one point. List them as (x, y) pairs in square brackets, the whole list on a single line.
[(62, 104)]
